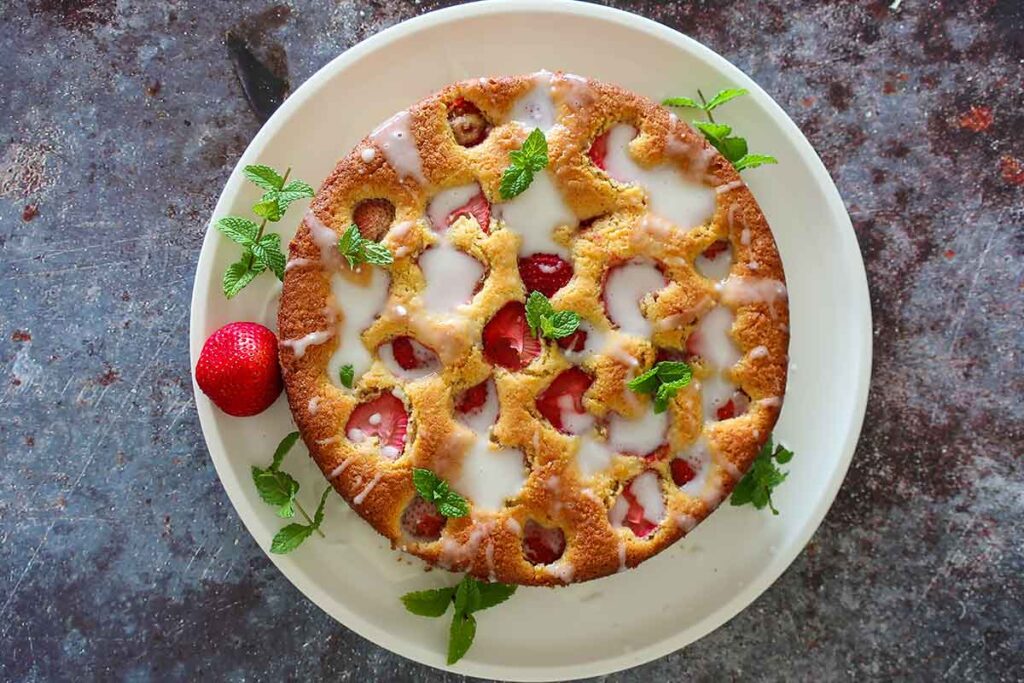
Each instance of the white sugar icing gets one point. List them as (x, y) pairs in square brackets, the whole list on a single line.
[(684, 202), (360, 304), (625, 287), (534, 215), (395, 139)]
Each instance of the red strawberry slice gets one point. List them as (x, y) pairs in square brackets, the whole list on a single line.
[(682, 472), (599, 150), (478, 207), (635, 519), (472, 399), (410, 354), (564, 394), (507, 338), (373, 217), (716, 248), (541, 544), (734, 407), (576, 341), (469, 126), (544, 273), (384, 417), (238, 369), (422, 520)]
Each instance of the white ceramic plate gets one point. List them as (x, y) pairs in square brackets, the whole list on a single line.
[(701, 582)]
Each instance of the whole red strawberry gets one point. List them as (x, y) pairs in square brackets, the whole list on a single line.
[(238, 369)]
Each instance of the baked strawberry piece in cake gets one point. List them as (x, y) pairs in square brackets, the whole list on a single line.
[(535, 329)]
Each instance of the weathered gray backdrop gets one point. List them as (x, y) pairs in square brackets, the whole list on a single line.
[(120, 557)]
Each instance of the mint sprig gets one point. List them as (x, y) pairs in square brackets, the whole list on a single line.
[(356, 249), (436, 490), (757, 485), (720, 135), (467, 597), (292, 536), (279, 489), (346, 374), (663, 381), (545, 321), (260, 252), (531, 158)]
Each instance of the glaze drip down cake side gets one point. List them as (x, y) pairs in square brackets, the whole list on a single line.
[(638, 226)]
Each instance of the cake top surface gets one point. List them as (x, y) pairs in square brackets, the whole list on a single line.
[(589, 351)]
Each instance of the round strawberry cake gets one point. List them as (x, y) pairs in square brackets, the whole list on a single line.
[(589, 354)]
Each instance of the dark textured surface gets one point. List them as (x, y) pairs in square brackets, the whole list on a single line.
[(119, 554)]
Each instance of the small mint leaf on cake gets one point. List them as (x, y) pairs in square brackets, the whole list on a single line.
[(436, 490), (357, 250), (346, 375), (663, 381), (545, 321), (531, 158)]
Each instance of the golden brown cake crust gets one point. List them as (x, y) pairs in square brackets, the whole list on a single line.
[(556, 492)]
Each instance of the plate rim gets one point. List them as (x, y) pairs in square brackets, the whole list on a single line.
[(858, 299)]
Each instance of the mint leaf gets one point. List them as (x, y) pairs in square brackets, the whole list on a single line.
[(647, 383), (672, 371), (276, 488), (264, 176), (297, 187), (282, 450), (722, 97), (347, 375), (682, 102), (268, 208), (318, 517), (467, 595), (289, 538), (425, 482), (762, 478), (531, 158), (377, 254), (563, 323), (545, 321), (268, 252), (428, 603), (237, 276), (237, 229), (663, 381), (492, 594), (453, 506), (713, 131), (435, 490), (753, 161), (537, 308), (460, 636), (358, 250)]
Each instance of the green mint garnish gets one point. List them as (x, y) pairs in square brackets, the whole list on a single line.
[(545, 321), (279, 489), (356, 249), (762, 478), (531, 158), (469, 596), (260, 252), (436, 490), (346, 374), (732, 147), (663, 381), (292, 536)]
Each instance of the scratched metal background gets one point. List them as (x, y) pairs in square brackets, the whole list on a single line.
[(120, 557)]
